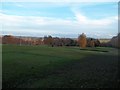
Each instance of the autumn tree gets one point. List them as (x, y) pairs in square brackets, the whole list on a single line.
[(57, 41), (45, 39), (8, 39), (48, 40), (82, 40), (90, 42), (97, 43)]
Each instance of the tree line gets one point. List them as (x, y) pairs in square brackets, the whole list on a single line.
[(81, 41)]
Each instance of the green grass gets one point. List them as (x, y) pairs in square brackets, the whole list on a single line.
[(53, 67)]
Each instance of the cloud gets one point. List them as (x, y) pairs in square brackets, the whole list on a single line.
[(60, 1), (82, 19), (40, 26), (18, 4)]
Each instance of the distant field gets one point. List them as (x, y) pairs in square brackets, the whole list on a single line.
[(59, 67), (104, 40)]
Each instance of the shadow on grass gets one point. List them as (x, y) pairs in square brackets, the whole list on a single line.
[(99, 71), (85, 49)]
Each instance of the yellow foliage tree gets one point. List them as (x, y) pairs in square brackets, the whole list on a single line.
[(82, 41)]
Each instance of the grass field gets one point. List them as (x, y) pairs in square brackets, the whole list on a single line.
[(59, 67)]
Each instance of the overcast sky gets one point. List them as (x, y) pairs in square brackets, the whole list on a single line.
[(95, 19)]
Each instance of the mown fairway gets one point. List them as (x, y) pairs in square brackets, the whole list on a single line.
[(48, 67)]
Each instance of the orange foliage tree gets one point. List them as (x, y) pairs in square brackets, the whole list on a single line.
[(48, 40), (82, 41)]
